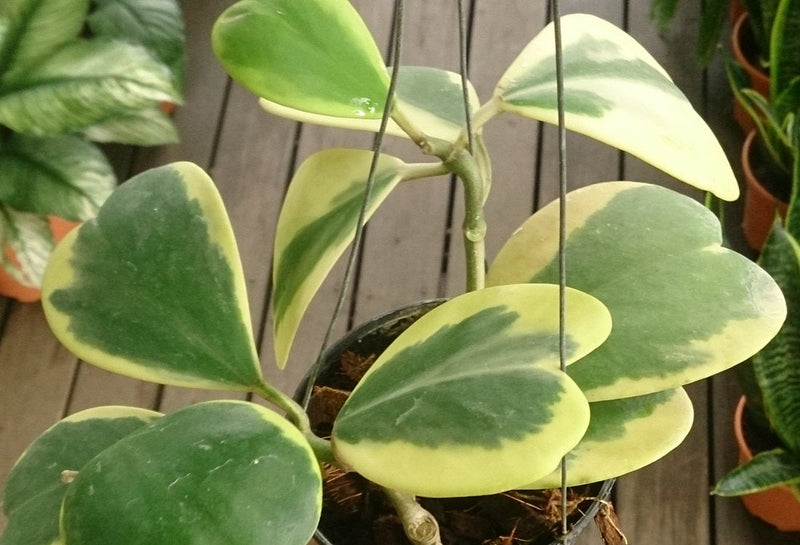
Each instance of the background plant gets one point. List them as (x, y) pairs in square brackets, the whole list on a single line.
[(75, 72), (772, 378)]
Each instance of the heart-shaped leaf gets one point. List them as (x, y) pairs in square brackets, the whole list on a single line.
[(617, 93), (625, 435), (153, 287), (38, 481), (262, 43), (317, 222), (469, 399), (219, 472), (683, 306), (430, 98)]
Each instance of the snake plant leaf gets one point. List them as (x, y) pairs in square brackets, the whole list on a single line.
[(777, 366), (470, 400), (261, 44), (683, 306), (428, 97), (767, 469), (317, 222), (63, 176), (625, 435), (38, 481), (81, 84), (35, 29), (153, 287), (784, 51), (617, 93), (217, 473), (27, 242)]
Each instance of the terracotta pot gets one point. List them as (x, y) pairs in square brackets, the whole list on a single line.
[(372, 338), (760, 206), (742, 50), (9, 287), (777, 506)]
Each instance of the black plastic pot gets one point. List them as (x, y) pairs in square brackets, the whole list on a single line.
[(374, 337)]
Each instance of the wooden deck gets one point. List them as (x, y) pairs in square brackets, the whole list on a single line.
[(407, 255)]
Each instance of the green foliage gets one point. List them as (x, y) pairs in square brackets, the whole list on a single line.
[(774, 386), (73, 72), (490, 356)]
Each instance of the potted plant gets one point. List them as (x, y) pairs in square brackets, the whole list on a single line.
[(75, 72), (767, 153), (767, 420), (474, 397)]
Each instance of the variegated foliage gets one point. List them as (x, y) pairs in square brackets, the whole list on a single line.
[(471, 398), (74, 72)]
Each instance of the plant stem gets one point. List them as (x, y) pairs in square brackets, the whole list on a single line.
[(419, 525), (294, 411), (462, 164)]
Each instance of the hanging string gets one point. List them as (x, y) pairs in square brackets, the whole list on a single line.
[(562, 227), (464, 63), (358, 237)]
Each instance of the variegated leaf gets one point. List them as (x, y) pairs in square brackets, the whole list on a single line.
[(63, 176), (160, 267), (469, 399), (683, 306), (617, 93), (625, 435), (38, 481), (317, 222), (261, 44), (156, 24), (81, 84), (430, 98), (36, 29), (215, 472), (27, 243)]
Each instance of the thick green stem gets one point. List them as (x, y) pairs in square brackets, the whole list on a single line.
[(294, 411), (419, 525), (463, 165)]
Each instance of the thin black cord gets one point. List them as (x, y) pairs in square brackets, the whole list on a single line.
[(358, 237), (562, 227), (464, 62)]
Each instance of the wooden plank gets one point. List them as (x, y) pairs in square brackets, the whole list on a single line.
[(35, 378), (497, 38), (405, 239)]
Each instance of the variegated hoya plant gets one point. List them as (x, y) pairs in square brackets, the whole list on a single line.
[(469, 400)]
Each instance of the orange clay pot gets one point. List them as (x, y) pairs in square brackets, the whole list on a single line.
[(777, 506), (760, 206), (9, 287), (759, 80)]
